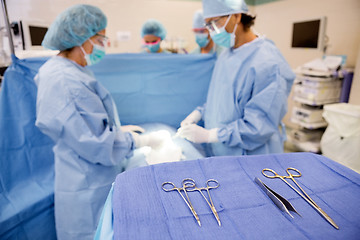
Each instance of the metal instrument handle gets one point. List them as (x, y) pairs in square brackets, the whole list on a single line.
[(272, 171), (208, 184), (168, 189), (295, 170)]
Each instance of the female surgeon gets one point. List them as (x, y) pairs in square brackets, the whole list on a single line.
[(247, 96), (202, 36), (77, 112), (152, 33)]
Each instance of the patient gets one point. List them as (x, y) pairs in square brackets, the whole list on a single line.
[(172, 149)]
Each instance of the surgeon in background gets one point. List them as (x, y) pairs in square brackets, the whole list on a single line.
[(247, 96), (202, 36), (78, 113), (152, 33)]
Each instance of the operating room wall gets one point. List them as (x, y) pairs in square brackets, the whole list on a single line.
[(343, 29), (124, 17), (355, 88), (343, 26)]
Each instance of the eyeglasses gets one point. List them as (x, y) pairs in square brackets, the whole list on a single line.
[(102, 39), (154, 42), (200, 30), (215, 25)]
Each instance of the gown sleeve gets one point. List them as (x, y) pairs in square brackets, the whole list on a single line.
[(74, 114), (262, 113)]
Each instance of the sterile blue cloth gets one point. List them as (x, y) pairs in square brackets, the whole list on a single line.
[(247, 99), (142, 210), (105, 229), (190, 152), (26, 159), (155, 88)]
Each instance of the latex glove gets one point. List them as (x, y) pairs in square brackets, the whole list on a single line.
[(197, 134), (153, 140), (132, 128), (193, 117)]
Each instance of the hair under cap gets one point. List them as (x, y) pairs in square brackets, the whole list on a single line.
[(153, 27), (216, 8), (74, 26)]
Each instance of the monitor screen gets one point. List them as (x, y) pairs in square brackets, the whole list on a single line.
[(307, 34), (32, 34), (37, 34)]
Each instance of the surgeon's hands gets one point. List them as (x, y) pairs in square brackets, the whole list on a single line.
[(153, 140), (197, 134), (132, 128), (192, 118)]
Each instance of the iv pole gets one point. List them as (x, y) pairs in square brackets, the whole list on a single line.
[(7, 25)]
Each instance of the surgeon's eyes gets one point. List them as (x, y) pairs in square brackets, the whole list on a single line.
[(102, 40)]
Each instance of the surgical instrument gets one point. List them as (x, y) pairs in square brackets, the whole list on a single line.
[(188, 202), (190, 185), (306, 197), (279, 200)]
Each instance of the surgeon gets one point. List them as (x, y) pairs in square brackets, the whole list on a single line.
[(78, 113), (152, 33), (247, 96), (202, 36)]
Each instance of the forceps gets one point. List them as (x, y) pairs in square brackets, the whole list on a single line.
[(188, 202), (190, 185), (306, 197)]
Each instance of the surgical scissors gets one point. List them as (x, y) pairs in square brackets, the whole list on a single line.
[(188, 202), (306, 197), (190, 185)]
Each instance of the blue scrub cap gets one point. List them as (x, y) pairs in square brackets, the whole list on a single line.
[(153, 27), (74, 26), (198, 20), (216, 8)]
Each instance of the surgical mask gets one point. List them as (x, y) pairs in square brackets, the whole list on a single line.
[(202, 39), (153, 47), (97, 54), (222, 37)]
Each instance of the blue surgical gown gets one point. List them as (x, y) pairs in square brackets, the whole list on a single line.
[(247, 99), (77, 113)]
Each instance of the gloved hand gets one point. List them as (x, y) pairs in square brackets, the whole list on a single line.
[(197, 134), (132, 128), (153, 140), (193, 117)]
